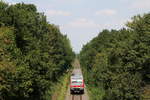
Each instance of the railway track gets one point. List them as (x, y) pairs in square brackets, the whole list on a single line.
[(76, 97), (70, 96)]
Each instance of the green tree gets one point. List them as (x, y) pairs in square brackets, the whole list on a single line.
[(118, 60), (37, 54)]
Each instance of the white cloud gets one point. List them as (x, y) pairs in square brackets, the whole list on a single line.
[(83, 23), (141, 4), (124, 0), (116, 23), (11, 2), (108, 12), (57, 13)]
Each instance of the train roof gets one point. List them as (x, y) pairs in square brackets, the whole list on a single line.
[(77, 76)]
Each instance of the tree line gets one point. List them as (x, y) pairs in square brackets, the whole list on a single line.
[(118, 61), (33, 53)]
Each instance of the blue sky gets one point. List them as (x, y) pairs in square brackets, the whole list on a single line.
[(82, 20)]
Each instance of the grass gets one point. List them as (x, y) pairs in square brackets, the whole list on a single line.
[(146, 93), (95, 93), (60, 88)]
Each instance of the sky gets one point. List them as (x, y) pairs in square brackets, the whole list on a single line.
[(82, 20)]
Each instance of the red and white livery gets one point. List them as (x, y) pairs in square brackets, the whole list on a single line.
[(76, 84)]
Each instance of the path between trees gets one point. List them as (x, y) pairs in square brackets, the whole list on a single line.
[(69, 96)]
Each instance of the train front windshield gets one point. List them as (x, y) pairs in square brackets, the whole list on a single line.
[(76, 82)]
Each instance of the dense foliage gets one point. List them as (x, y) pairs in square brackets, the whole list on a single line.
[(33, 53), (119, 60)]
